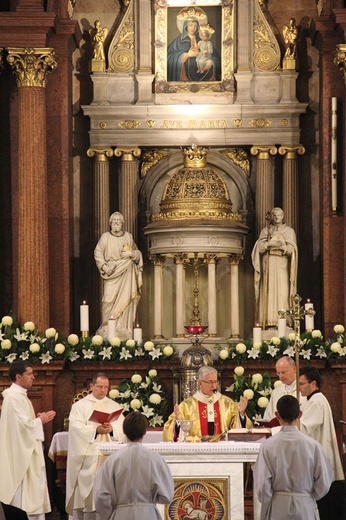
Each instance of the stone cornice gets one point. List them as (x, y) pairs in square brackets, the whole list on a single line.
[(29, 29)]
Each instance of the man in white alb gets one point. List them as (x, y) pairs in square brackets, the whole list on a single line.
[(84, 459)]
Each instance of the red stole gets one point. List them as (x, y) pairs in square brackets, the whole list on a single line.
[(202, 408)]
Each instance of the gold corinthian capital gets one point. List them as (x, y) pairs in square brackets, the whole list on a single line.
[(31, 65)]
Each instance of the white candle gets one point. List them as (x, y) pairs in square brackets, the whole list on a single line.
[(84, 317), (257, 334), (309, 320), (137, 334), (111, 329), (282, 327), (334, 168)]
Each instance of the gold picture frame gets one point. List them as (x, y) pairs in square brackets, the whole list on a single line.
[(172, 73)]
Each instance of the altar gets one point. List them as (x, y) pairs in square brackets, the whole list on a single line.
[(208, 477)]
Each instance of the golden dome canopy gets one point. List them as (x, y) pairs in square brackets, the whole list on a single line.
[(195, 191)]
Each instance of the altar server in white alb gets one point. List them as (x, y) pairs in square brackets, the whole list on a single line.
[(23, 482), (286, 371), (291, 471), (84, 458), (133, 479), (317, 422)]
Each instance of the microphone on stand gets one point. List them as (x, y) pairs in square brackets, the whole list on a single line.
[(214, 391)]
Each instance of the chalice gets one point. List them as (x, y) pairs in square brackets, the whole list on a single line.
[(186, 427)]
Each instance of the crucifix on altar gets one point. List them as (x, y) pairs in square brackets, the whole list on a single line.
[(297, 313)]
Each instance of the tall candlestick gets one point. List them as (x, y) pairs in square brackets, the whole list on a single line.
[(84, 317), (111, 328), (257, 334), (137, 334), (334, 168), (309, 320), (282, 327)]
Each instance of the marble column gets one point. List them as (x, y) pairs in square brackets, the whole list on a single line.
[(180, 260), (128, 178), (234, 260), (144, 76), (31, 67), (264, 183), (211, 259), (101, 192), (290, 183), (158, 261)]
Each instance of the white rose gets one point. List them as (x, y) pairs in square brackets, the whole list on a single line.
[(50, 333), (97, 340), (257, 345), (277, 383), (130, 343), (263, 402), (275, 340), (248, 393), (73, 340), (6, 320), (135, 404), (136, 378), (5, 344), (114, 393), (240, 348), (59, 348), (223, 354), (155, 399), (339, 329), (239, 371), (29, 326), (168, 351), (34, 347), (316, 333), (335, 347), (257, 378), (148, 345), (115, 342), (152, 373), (292, 336)]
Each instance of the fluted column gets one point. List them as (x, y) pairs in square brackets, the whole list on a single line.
[(128, 178), (290, 183), (264, 183), (31, 66), (158, 261), (180, 261), (211, 259), (234, 260), (101, 192)]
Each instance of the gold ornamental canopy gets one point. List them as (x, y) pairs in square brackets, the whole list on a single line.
[(196, 191)]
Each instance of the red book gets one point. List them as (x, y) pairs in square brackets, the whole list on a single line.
[(269, 424), (104, 417)]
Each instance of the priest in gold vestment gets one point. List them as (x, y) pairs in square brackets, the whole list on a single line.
[(212, 413)]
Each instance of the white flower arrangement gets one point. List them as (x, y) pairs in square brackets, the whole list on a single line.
[(143, 394)]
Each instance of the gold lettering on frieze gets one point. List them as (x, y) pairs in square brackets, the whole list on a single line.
[(194, 123)]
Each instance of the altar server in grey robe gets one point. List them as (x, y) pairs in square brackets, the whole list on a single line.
[(291, 471), (133, 479)]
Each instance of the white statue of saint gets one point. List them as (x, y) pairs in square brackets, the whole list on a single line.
[(120, 264), (275, 261)]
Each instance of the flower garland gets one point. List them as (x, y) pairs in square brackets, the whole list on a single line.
[(256, 387), (27, 343), (142, 394), (311, 346)]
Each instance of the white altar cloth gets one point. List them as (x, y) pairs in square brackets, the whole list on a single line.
[(203, 460)]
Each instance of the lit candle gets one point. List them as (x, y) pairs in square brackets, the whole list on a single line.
[(309, 320), (334, 166), (84, 317), (257, 334), (111, 329), (137, 334), (282, 327)]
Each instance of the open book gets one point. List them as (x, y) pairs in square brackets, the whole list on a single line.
[(268, 424), (104, 417)]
